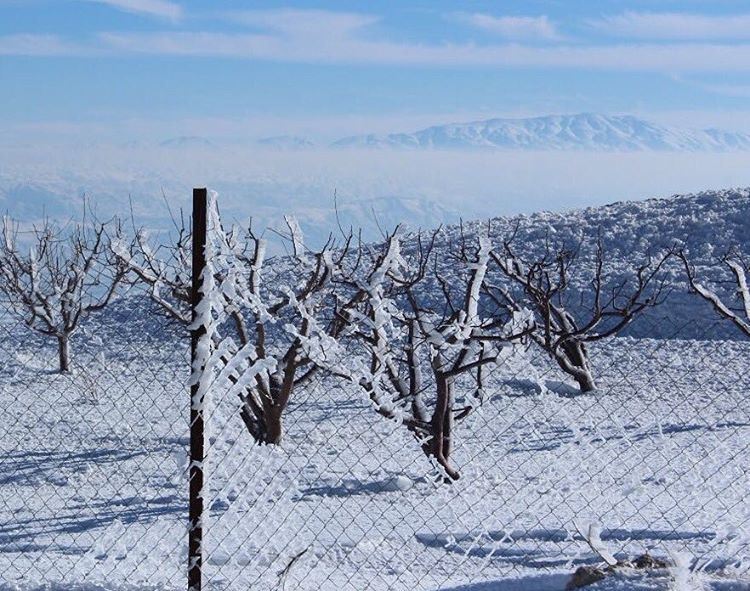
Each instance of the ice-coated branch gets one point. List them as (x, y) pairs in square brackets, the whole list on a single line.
[(165, 270), (739, 269), (592, 534), (295, 232)]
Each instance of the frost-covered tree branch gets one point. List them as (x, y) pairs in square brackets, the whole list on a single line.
[(297, 318), (163, 268), (281, 318), (739, 269)]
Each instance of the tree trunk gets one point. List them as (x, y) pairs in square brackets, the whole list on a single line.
[(585, 382), (63, 351), (252, 418), (274, 425), (439, 445), (265, 424), (578, 357)]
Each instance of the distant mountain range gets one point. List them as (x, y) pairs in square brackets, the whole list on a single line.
[(585, 131), (286, 142), (580, 132)]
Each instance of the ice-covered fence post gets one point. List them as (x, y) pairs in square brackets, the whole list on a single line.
[(195, 532)]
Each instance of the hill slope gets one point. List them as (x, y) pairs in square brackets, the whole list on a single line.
[(706, 224)]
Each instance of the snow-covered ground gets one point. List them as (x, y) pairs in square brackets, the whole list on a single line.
[(93, 483)]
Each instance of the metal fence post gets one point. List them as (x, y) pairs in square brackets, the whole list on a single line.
[(195, 535)]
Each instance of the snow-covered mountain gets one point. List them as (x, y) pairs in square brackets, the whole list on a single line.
[(584, 131)]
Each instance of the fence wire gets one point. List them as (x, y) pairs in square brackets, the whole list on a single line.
[(645, 476), (653, 465)]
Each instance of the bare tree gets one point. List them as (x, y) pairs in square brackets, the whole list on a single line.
[(296, 299), (66, 274), (274, 310), (422, 334), (739, 267), (607, 303)]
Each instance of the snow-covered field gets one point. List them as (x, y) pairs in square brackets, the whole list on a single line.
[(93, 482)]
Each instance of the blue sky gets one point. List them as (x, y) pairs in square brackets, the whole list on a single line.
[(136, 69)]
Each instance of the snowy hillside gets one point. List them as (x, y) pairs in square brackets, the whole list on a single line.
[(585, 131), (706, 224)]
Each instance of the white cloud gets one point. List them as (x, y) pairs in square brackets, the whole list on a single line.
[(513, 27), (31, 44), (305, 22), (158, 8), (324, 37), (724, 89), (694, 57), (318, 36), (674, 26), (530, 180)]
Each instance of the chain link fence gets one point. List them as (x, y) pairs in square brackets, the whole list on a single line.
[(639, 483), (93, 460)]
